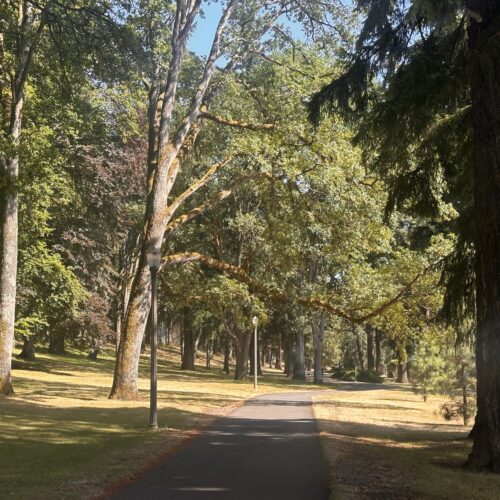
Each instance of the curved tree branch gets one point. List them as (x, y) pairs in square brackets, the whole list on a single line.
[(235, 123), (277, 296)]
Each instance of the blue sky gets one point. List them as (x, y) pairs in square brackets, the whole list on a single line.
[(201, 39)]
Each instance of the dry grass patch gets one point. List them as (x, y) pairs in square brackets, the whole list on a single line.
[(383, 441), (61, 437)]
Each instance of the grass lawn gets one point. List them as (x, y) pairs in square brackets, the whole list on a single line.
[(61, 437), (383, 441)]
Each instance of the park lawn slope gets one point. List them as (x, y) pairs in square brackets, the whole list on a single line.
[(383, 441), (61, 437)]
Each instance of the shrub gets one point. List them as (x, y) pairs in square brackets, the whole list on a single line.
[(361, 376), (369, 376)]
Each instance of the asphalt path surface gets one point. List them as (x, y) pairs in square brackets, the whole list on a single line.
[(267, 449)]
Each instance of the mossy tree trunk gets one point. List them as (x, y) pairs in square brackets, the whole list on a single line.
[(164, 158)]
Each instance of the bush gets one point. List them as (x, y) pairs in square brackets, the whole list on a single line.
[(342, 374), (361, 376), (369, 376)]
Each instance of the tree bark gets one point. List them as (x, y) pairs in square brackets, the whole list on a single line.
[(378, 352), (288, 354), (28, 351), (318, 331), (93, 353), (189, 350), (299, 367), (402, 377), (277, 364), (370, 341), (485, 91), (227, 354), (56, 342), (161, 180), (208, 352), (359, 350), (242, 344)]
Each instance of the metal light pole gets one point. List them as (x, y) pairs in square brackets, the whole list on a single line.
[(255, 322), (154, 260)]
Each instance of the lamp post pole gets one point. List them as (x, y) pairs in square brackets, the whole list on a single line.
[(153, 407), (255, 322), (154, 261)]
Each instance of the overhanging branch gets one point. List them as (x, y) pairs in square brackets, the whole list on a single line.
[(235, 123), (277, 296)]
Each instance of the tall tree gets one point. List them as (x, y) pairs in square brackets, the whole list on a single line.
[(20, 31), (425, 75), (27, 30), (241, 31)]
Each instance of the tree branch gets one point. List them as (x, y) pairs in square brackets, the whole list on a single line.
[(237, 124), (199, 210), (277, 296), (170, 210)]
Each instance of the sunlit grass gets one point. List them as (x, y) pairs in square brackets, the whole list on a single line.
[(61, 437), (385, 441)]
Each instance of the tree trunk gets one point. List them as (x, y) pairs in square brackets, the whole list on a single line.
[(402, 377), (56, 342), (165, 165), (227, 354), (485, 92), (127, 359), (118, 329), (299, 368), (8, 257), (242, 344), (189, 349), (378, 352), (208, 353), (318, 331), (288, 354), (370, 358), (359, 351), (28, 351), (93, 353), (277, 364)]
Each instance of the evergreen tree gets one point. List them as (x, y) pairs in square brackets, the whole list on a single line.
[(424, 81)]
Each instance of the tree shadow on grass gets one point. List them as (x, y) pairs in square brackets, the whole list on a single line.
[(377, 461), (44, 447), (362, 386), (369, 405)]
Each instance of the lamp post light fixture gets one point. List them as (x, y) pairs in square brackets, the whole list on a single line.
[(153, 256), (255, 322)]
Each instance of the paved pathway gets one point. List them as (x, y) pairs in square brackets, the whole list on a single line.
[(267, 449)]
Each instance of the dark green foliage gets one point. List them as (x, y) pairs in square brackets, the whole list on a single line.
[(407, 89), (350, 375), (369, 376)]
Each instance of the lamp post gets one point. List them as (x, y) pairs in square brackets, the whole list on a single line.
[(255, 322), (153, 256)]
